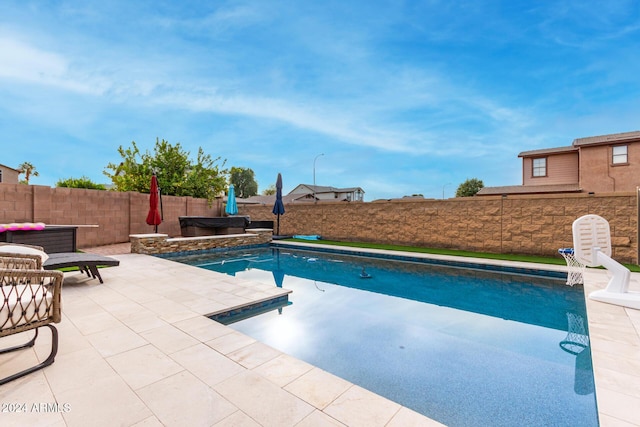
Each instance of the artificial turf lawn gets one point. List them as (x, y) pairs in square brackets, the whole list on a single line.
[(506, 257)]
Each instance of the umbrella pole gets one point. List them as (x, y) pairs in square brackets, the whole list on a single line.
[(278, 232), (161, 208)]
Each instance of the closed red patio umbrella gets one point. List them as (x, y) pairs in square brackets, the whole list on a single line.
[(153, 217)]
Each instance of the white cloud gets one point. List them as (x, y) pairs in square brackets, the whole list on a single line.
[(24, 63), (21, 61), (218, 22)]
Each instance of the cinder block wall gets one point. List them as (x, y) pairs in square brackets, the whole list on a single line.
[(534, 224), (116, 214)]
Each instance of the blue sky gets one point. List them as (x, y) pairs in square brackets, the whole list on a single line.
[(401, 97)]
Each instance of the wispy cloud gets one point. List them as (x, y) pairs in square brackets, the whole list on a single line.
[(218, 22), (22, 62), (588, 25)]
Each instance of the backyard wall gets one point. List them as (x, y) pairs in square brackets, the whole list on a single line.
[(116, 214), (531, 224)]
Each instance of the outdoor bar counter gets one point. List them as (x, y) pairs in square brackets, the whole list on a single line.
[(194, 226), (53, 238)]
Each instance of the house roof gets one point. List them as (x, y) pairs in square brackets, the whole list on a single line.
[(529, 189), (607, 139), (9, 167), (556, 150), (580, 142), (270, 200)]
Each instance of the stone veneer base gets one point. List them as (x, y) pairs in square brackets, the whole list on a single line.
[(152, 244)]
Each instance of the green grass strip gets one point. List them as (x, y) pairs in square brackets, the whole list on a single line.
[(505, 257)]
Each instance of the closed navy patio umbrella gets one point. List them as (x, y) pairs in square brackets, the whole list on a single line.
[(278, 207)]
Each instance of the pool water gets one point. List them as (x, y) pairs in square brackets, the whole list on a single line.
[(465, 347)]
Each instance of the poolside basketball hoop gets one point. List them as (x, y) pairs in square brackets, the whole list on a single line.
[(575, 267)]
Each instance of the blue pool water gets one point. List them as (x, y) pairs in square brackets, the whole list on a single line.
[(462, 346)]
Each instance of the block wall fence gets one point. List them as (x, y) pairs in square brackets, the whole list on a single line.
[(116, 214), (533, 224)]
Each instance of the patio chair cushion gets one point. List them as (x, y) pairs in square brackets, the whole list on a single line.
[(23, 250), (22, 304), (29, 299)]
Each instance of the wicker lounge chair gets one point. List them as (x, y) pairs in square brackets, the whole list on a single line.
[(30, 299)]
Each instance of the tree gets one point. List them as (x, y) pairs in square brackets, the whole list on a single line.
[(82, 182), (244, 182), (469, 188), (28, 170), (177, 174), (270, 190)]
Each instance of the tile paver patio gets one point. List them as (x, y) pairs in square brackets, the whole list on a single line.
[(137, 350)]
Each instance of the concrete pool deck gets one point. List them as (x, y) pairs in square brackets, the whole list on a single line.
[(138, 351)]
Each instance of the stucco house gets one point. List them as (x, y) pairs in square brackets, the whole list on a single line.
[(270, 200), (351, 194), (596, 164), (305, 193), (9, 175)]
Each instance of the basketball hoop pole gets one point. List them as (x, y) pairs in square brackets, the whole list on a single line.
[(592, 246)]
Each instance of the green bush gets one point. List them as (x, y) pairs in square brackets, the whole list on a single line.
[(469, 188), (83, 182)]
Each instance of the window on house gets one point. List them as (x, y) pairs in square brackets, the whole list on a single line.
[(540, 167), (619, 155), (0, 175)]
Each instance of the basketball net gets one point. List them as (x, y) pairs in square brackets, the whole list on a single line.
[(575, 268)]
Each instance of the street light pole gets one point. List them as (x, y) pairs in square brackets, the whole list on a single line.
[(314, 177), (448, 183)]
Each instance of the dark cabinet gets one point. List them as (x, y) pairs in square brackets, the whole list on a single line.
[(53, 239)]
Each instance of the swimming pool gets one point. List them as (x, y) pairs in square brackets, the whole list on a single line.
[(466, 347)]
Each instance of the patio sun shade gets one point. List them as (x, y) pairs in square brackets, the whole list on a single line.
[(278, 207), (153, 217), (232, 206)]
